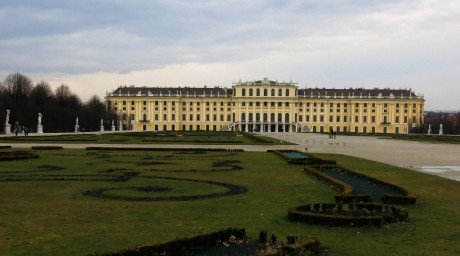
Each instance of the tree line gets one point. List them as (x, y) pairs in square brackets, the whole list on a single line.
[(59, 108)]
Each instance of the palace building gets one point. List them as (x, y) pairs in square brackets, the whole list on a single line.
[(266, 106)]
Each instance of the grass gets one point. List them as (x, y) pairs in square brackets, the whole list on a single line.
[(199, 137), (43, 217)]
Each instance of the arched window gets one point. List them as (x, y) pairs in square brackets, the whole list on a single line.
[(257, 117), (250, 92), (243, 117), (265, 92), (286, 118), (273, 92), (272, 117), (287, 92), (258, 92), (265, 117), (280, 92), (280, 117), (243, 92), (250, 116)]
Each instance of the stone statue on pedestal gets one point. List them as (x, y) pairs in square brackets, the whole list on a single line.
[(429, 129), (39, 126), (441, 132), (102, 125), (7, 118), (77, 127), (113, 126), (7, 121)]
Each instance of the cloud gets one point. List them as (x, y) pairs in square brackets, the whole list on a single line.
[(325, 43)]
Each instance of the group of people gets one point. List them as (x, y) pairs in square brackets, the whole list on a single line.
[(25, 129), (332, 134)]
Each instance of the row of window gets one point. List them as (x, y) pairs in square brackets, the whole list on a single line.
[(272, 104), (273, 118), (265, 92)]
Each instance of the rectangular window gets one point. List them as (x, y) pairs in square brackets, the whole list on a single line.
[(356, 119), (307, 118), (173, 117), (331, 119), (207, 117), (156, 117), (321, 118), (165, 117), (198, 117), (191, 117), (338, 119)]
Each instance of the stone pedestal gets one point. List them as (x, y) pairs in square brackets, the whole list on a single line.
[(120, 127), (102, 128), (39, 128), (113, 128), (77, 128), (7, 128)]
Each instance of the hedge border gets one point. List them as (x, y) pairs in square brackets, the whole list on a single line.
[(47, 147), (311, 214), (180, 246), (5, 147), (165, 149)]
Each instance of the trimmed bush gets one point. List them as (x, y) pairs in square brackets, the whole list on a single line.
[(5, 147)]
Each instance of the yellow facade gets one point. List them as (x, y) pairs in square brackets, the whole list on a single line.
[(267, 106)]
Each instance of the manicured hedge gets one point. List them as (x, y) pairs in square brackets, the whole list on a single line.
[(47, 147), (5, 147), (360, 214), (197, 141), (181, 246), (164, 149)]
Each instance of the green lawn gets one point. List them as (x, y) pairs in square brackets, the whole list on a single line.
[(44, 212), (197, 137)]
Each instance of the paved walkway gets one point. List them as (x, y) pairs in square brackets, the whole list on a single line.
[(436, 158)]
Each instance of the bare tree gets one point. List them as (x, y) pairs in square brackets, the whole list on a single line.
[(18, 86)]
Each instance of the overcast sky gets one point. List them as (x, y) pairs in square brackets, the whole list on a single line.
[(94, 46)]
